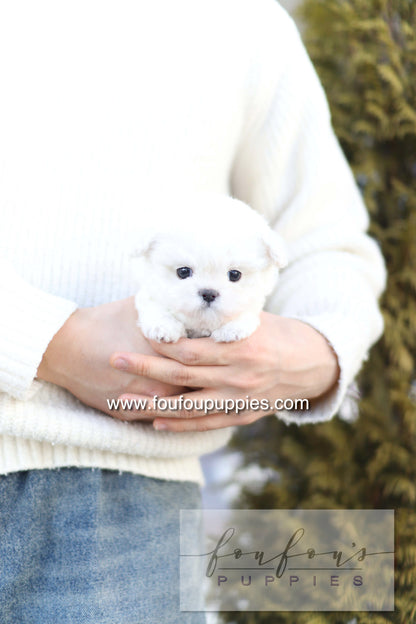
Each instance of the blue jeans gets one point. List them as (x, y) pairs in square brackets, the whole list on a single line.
[(84, 546)]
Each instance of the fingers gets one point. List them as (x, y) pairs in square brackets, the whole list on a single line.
[(197, 352), (183, 406), (206, 423), (132, 408), (193, 411), (166, 370), (141, 408)]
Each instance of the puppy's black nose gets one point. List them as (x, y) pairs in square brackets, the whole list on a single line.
[(208, 295)]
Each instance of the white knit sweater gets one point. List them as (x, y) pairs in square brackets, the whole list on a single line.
[(105, 102)]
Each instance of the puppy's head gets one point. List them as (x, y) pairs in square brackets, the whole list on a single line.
[(213, 259)]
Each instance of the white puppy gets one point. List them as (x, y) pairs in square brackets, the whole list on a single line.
[(206, 271)]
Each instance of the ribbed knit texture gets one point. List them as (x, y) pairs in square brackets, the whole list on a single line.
[(109, 105)]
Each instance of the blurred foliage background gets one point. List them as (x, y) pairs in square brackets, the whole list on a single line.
[(365, 54)]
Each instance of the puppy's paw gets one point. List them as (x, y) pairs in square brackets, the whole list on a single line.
[(236, 330), (168, 330)]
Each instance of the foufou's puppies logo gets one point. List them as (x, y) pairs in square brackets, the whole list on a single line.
[(206, 270)]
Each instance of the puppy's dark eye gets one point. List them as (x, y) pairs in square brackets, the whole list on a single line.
[(234, 275), (183, 272)]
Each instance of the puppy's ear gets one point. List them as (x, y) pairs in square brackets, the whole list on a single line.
[(275, 248), (144, 244)]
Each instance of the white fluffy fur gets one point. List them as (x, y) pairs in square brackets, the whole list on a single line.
[(212, 235)]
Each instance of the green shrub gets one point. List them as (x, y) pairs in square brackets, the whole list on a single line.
[(365, 54)]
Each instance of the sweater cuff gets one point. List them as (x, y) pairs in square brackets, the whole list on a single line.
[(29, 318), (343, 336)]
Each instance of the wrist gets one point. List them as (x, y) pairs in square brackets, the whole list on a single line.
[(315, 358), (57, 355), (328, 370)]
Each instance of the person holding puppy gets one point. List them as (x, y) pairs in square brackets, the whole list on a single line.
[(105, 104)]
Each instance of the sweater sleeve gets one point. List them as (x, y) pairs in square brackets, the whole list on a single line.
[(29, 318), (290, 167)]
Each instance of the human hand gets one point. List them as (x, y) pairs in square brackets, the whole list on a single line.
[(78, 356), (283, 359)]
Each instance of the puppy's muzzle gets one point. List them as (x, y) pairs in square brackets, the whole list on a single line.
[(208, 295)]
